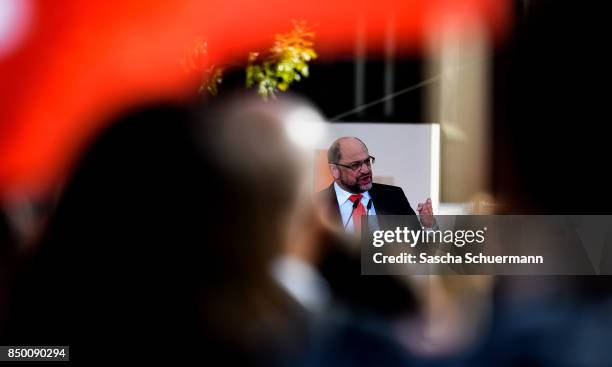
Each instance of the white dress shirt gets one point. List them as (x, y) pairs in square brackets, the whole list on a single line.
[(346, 206), (303, 282)]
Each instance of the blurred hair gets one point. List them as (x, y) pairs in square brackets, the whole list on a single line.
[(164, 235), (121, 251), (255, 173)]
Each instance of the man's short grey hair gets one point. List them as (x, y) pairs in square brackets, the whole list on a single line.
[(334, 155)]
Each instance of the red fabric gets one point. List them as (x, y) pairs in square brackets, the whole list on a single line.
[(80, 62), (358, 213)]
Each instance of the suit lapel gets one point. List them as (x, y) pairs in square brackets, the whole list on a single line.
[(379, 203)]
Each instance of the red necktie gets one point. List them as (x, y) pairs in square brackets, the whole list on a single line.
[(358, 212)]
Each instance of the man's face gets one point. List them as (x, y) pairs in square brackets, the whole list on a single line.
[(355, 181)]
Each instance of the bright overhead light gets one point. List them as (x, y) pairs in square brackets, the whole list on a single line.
[(305, 126)]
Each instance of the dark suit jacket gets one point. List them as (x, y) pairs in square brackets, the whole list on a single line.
[(379, 295), (387, 199)]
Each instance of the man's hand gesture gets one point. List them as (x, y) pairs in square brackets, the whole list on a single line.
[(426, 213)]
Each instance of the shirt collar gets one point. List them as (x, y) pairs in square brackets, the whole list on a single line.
[(342, 195)]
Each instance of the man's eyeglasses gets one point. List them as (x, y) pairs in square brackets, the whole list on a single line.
[(356, 166)]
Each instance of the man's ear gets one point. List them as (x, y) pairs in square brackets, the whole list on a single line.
[(335, 171)]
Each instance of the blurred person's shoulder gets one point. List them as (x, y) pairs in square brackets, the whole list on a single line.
[(327, 193), (327, 189)]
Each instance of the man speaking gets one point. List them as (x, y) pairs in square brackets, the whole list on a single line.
[(353, 195), (347, 201)]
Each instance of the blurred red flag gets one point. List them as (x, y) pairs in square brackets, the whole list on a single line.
[(67, 65)]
